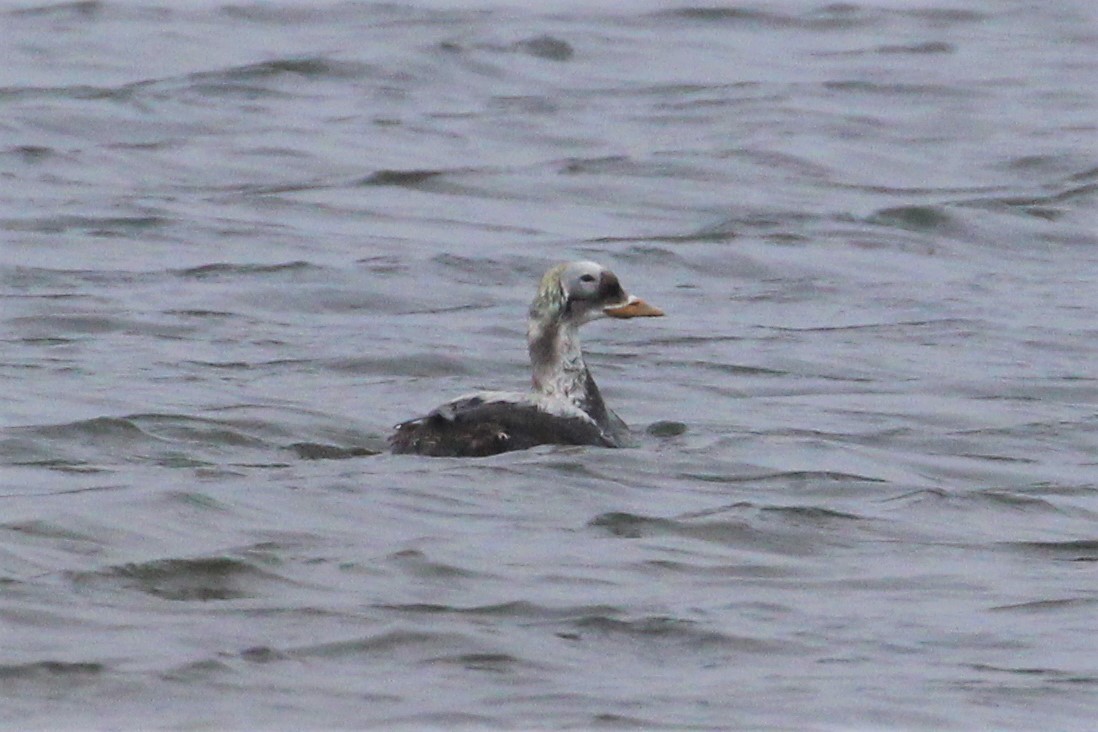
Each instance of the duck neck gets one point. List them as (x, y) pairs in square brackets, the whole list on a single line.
[(559, 369)]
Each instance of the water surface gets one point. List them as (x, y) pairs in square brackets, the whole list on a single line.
[(240, 241)]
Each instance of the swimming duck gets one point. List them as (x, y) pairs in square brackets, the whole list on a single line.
[(565, 406)]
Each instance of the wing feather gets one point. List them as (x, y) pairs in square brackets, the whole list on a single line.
[(489, 423)]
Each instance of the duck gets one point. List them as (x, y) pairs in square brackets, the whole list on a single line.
[(564, 407)]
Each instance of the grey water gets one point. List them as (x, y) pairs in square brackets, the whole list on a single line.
[(241, 240)]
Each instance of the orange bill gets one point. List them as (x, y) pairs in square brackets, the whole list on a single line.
[(634, 307)]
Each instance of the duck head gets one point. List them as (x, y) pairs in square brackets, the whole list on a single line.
[(570, 295), (579, 292)]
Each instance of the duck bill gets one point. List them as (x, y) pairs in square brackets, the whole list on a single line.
[(634, 307)]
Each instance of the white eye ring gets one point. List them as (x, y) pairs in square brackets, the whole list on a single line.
[(587, 278)]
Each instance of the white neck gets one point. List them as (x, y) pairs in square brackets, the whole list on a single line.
[(557, 359), (559, 370)]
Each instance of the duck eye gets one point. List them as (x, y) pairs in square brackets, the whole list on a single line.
[(587, 278)]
